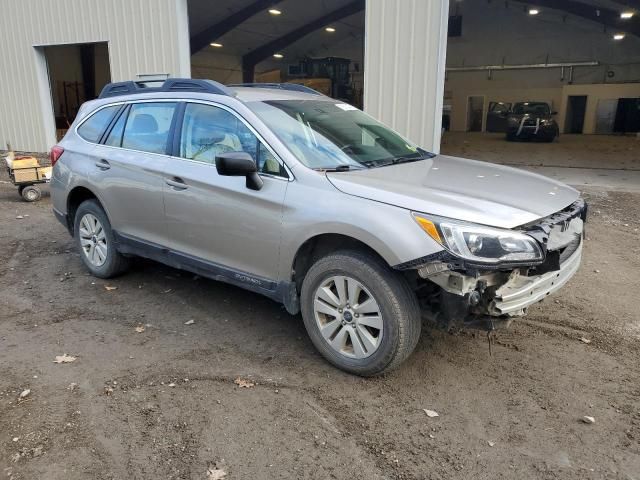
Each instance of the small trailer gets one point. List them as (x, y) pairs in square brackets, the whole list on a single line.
[(26, 173)]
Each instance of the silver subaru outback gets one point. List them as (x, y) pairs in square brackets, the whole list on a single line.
[(309, 201)]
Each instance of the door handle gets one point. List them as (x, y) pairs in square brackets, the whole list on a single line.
[(102, 164), (177, 183)]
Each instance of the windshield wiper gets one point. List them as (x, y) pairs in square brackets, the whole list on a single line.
[(424, 155), (339, 168)]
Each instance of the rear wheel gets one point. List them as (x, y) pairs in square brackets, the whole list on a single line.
[(360, 314), (93, 234)]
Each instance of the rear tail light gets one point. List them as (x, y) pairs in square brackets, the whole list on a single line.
[(55, 154)]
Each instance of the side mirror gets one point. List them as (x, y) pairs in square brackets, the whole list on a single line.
[(239, 164), (554, 113)]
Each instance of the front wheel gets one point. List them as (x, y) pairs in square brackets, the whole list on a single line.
[(360, 314)]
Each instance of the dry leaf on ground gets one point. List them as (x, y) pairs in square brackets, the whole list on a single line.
[(140, 328), (215, 473), (108, 288), (585, 340), (430, 413), (243, 383), (64, 358)]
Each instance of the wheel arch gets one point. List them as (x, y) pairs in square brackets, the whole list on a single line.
[(76, 196), (322, 244)]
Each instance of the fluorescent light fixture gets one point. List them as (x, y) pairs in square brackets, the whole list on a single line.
[(534, 11), (330, 29), (618, 36), (277, 55), (626, 15), (275, 11), (217, 45)]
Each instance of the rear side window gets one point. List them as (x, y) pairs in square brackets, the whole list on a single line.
[(93, 128), (147, 127), (114, 139)]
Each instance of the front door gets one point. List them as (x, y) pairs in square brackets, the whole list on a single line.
[(497, 116), (129, 170), (215, 218)]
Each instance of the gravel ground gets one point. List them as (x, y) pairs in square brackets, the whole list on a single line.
[(151, 397)]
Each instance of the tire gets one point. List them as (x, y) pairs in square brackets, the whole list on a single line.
[(30, 193), (107, 262), (399, 313)]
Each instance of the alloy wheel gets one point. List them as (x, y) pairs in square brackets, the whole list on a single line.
[(93, 240), (348, 317)]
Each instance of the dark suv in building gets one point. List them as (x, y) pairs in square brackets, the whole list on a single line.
[(532, 120)]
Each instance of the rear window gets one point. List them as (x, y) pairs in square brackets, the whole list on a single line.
[(93, 128)]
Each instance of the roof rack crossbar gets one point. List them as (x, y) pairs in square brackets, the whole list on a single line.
[(296, 87), (168, 85)]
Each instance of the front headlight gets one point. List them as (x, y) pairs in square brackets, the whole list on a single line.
[(481, 244)]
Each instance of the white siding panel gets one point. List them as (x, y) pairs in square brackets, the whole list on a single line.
[(144, 36), (405, 48)]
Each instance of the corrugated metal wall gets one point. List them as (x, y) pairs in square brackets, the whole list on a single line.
[(144, 36), (404, 65)]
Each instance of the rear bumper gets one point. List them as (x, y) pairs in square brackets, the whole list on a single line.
[(517, 294)]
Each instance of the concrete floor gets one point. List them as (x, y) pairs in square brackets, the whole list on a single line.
[(602, 161)]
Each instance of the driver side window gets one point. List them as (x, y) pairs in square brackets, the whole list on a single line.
[(208, 131)]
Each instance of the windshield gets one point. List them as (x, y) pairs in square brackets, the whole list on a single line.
[(531, 108), (325, 135)]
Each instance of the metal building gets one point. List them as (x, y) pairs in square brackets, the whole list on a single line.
[(115, 40)]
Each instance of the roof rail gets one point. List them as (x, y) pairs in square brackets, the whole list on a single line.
[(168, 85), (296, 87)]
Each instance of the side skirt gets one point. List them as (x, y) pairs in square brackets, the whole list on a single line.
[(282, 292)]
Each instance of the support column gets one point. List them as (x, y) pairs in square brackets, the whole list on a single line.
[(404, 66)]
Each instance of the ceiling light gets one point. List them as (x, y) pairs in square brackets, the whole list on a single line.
[(618, 36), (277, 55), (626, 15), (217, 45), (330, 29), (274, 11), (534, 11)]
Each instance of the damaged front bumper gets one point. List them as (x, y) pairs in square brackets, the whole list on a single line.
[(483, 297), (520, 291)]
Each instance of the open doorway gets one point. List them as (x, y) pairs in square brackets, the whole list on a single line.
[(76, 73), (475, 109), (576, 108), (627, 119)]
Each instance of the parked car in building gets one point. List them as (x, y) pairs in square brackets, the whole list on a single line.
[(313, 203), (532, 120)]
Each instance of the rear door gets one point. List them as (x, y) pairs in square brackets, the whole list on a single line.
[(217, 219), (128, 169)]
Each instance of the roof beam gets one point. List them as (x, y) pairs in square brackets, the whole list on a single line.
[(605, 16), (251, 59), (212, 33)]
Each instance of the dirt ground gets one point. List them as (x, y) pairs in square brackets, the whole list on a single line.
[(162, 403), (585, 151)]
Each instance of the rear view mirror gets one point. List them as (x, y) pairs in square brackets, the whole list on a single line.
[(239, 164)]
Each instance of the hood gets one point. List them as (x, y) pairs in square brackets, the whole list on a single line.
[(461, 189)]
